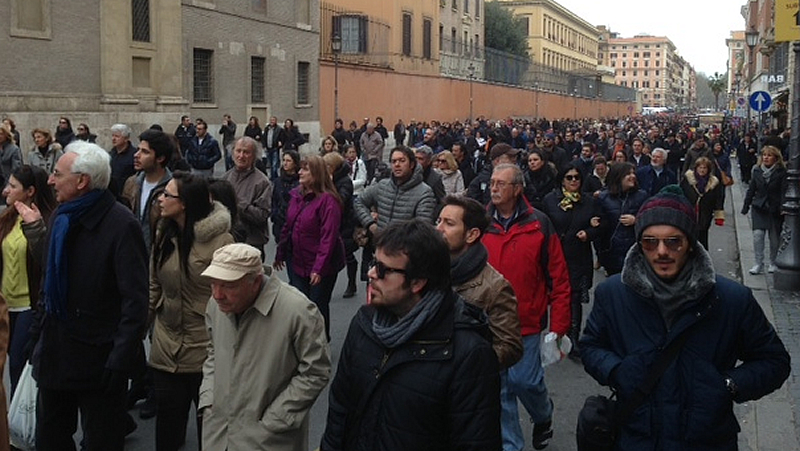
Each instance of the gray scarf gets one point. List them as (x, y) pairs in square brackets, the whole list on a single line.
[(767, 171), (694, 281), (393, 332)]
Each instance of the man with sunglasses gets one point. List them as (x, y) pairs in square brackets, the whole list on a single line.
[(417, 370), (668, 291)]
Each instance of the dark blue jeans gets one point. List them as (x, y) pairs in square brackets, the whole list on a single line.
[(319, 294), (19, 323)]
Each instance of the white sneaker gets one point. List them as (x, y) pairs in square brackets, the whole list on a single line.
[(771, 268), (757, 269)]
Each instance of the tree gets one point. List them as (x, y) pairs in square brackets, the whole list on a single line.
[(505, 32), (717, 82)]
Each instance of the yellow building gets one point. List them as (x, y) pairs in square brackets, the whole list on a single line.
[(399, 35), (557, 37)]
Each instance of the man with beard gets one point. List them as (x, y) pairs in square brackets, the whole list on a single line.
[(462, 223)]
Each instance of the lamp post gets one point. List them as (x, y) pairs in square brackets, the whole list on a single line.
[(471, 69), (575, 103), (536, 93), (336, 46), (787, 277), (751, 39)]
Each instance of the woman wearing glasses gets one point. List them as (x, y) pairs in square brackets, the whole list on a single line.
[(618, 204), (191, 228), (310, 246), (452, 178), (571, 213), (706, 193)]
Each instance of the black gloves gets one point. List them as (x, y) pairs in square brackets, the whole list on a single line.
[(745, 209)]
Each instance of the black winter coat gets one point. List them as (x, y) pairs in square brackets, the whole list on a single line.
[(568, 223), (283, 184), (767, 197), (615, 238), (439, 391), (344, 186), (690, 407)]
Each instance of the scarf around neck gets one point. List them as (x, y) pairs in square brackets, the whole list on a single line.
[(56, 278), (569, 199), (768, 171), (702, 181), (469, 264), (393, 332)]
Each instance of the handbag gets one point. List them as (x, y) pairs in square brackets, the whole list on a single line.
[(601, 417), (726, 179)]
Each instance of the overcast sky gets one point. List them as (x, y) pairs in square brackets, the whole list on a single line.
[(698, 28)]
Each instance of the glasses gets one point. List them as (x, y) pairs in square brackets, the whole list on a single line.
[(441, 160), (572, 178), (168, 195), (381, 270), (501, 184), (673, 243)]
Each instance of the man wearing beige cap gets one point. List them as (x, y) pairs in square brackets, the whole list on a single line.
[(268, 358)]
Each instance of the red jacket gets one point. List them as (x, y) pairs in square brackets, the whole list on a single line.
[(517, 253)]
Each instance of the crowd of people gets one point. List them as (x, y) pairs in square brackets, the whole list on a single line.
[(476, 239)]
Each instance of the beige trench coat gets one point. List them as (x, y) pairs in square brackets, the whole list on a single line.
[(263, 375)]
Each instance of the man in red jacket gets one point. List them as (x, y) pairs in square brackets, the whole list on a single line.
[(525, 249)]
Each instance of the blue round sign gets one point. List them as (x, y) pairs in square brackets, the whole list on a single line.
[(760, 101)]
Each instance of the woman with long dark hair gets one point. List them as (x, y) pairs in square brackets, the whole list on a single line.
[(191, 228), (618, 203), (765, 195), (253, 129), (293, 138), (339, 169), (310, 246), (283, 185), (542, 175), (21, 265), (571, 212)]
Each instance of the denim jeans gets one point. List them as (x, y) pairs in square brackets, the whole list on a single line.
[(274, 160), (523, 380)]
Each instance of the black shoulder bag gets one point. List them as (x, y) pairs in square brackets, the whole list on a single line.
[(601, 417)]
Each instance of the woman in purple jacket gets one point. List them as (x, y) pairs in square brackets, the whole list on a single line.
[(310, 245)]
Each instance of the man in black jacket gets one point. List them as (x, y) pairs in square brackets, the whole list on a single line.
[(417, 370)]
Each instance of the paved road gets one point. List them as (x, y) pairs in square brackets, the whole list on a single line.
[(569, 385)]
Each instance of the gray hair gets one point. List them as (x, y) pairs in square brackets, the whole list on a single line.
[(660, 150), (92, 160), (424, 149), (518, 179), (252, 144), (121, 129)]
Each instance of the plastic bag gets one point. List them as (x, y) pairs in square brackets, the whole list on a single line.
[(552, 350), (22, 412)]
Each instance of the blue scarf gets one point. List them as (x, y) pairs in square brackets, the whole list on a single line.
[(56, 277)]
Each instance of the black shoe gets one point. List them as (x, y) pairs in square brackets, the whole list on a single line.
[(136, 393), (542, 433), (148, 408), (350, 292)]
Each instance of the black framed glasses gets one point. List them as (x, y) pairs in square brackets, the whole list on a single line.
[(169, 195), (673, 243), (381, 270)]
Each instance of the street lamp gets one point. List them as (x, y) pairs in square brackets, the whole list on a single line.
[(751, 39), (787, 277), (471, 69), (575, 103), (536, 93), (336, 46)]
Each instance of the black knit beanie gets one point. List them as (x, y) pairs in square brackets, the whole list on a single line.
[(668, 207)]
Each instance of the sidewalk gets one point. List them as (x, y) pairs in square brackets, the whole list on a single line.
[(769, 423)]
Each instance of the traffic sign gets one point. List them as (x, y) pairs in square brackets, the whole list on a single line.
[(741, 101), (760, 101)]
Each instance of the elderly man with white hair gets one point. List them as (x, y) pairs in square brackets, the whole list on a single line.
[(656, 175), (371, 144), (121, 157), (93, 310)]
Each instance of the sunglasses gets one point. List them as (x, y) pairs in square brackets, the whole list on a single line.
[(381, 270), (572, 178), (673, 243)]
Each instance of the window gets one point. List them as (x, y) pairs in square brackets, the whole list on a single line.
[(257, 77), (613, 55), (426, 38), (624, 73), (526, 25), (353, 31), (303, 11), (140, 12), (303, 97), (465, 42), (476, 46), (646, 54), (636, 54), (635, 73), (635, 64), (30, 19), (645, 73), (203, 72), (477, 8), (657, 85), (658, 73), (624, 55), (407, 34), (466, 6), (441, 37), (455, 5), (453, 40), (141, 72)]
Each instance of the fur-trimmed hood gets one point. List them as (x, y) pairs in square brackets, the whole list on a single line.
[(701, 280), (216, 223), (691, 179)]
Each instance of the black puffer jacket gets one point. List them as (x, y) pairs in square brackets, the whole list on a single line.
[(344, 186), (439, 391)]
